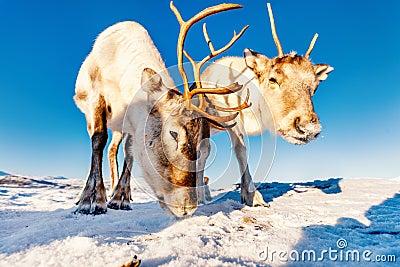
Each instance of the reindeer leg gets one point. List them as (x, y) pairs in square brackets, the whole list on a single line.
[(112, 156), (248, 192), (203, 191), (121, 196), (93, 197)]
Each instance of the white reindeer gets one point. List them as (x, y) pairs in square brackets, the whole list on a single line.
[(124, 71), (282, 86)]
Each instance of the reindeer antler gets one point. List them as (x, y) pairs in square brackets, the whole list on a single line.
[(273, 29), (310, 48), (200, 91), (276, 39)]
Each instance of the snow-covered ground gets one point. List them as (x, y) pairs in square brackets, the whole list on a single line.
[(330, 222)]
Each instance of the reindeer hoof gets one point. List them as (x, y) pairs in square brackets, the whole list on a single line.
[(258, 200), (204, 195), (254, 199), (119, 205), (92, 205), (92, 199), (120, 201), (94, 209)]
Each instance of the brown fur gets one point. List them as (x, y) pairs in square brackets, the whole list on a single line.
[(80, 96), (100, 116), (112, 155)]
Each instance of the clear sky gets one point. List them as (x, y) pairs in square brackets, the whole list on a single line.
[(43, 44)]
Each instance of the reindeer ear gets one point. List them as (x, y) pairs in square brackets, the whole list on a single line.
[(255, 61), (151, 81), (322, 71), (153, 85)]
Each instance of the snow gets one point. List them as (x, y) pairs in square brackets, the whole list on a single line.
[(39, 227)]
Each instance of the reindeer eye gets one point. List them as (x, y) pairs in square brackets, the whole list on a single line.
[(174, 135), (273, 81), (150, 144)]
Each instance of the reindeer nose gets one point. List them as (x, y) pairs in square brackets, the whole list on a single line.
[(297, 125), (301, 124), (314, 118)]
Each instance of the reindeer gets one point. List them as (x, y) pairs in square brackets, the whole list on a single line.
[(124, 76), (281, 86)]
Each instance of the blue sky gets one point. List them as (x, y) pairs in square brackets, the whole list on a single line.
[(43, 44)]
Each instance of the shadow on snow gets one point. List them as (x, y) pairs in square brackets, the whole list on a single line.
[(349, 239), (273, 190)]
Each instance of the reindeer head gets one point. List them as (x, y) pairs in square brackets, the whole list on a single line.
[(171, 136), (176, 125), (288, 82)]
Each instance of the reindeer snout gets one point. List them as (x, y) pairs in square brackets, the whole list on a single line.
[(307, 125), (181, 201)]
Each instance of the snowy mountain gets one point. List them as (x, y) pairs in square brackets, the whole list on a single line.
[(3, 173), (333, 222)]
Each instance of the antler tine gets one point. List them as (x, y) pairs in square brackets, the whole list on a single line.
[(197, 66), (218, 119), (274, 34), (207, 38), (177, 13), (310, 48), (222, 127), (244, 105), (184, 28), (214, 52), (233, 88)]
